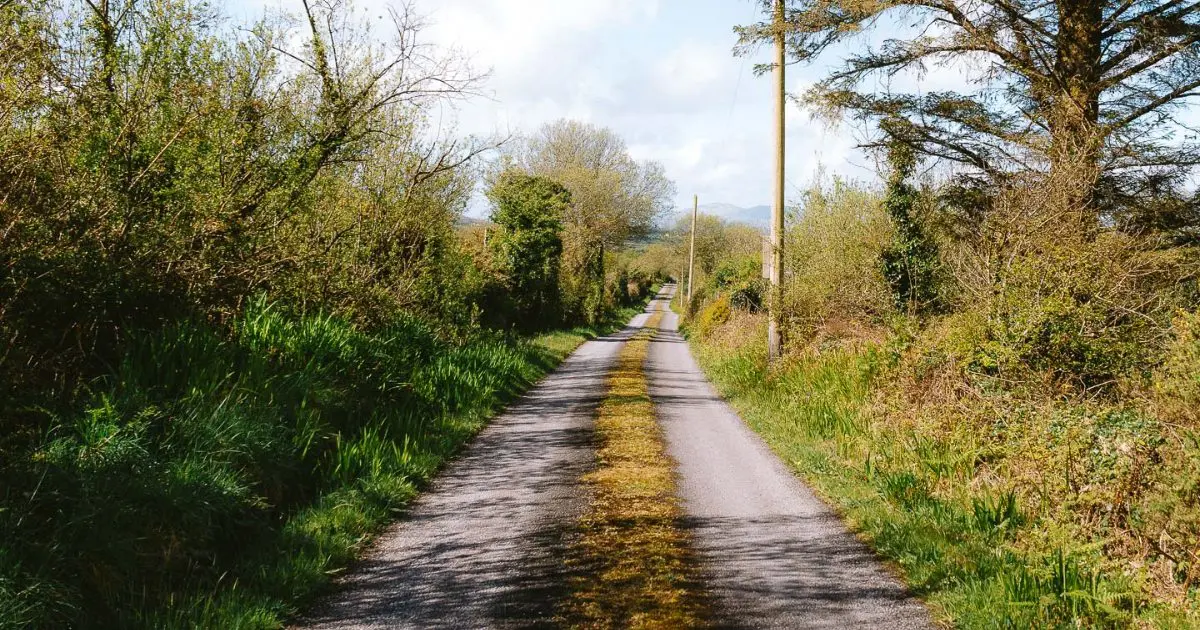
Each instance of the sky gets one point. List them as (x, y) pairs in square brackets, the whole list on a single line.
[(661, 73)]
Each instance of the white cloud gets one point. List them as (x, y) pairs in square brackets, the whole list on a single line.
[(658, 72), (530, 43), (693, 71)]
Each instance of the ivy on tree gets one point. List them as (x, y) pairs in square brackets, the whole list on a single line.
[(528, 246), (910, 263)]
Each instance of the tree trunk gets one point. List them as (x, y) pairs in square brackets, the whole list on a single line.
[(598, 309), (1075, 139)]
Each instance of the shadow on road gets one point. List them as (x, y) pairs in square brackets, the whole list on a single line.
[(483, 547)]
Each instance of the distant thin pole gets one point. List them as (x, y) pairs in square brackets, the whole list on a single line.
[(775, 330), (692, 253)]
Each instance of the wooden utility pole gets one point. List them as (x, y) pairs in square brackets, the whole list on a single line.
[(692, 252), (774, 329)]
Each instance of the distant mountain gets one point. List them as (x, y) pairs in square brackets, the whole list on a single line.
[(467, 220), (758, 216)]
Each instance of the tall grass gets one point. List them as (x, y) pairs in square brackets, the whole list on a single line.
[(218, 480), (970, 548)]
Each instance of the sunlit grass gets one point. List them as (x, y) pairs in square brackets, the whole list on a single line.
[(915, 498), (222, 481)]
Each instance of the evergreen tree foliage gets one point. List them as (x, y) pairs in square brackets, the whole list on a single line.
[(1094, 87)]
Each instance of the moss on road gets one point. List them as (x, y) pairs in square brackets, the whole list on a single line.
[(633, 560)]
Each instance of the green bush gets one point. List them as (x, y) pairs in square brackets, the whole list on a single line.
[(1174, 508), (528, 245), (742, 279), (630, 286), (833, 251), (714, 314), (1086, 312), (1178, 380)]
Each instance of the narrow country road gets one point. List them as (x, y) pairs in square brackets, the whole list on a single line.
[(482, 548), (774, 555)]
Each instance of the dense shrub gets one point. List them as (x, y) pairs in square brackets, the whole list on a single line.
[(528, 212), (1177, 382), (741, 278), (630, 286), (1170, 514), (833, 251), (1085, 308), (713, 314), (691, 307)]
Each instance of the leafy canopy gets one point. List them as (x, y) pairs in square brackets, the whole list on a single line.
[(1080, 84)]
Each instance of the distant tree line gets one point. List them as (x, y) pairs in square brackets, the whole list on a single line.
[(566, 200)]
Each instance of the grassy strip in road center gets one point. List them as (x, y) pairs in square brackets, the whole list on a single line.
[(633, 559)]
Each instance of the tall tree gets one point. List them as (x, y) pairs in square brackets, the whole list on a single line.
[(528, 211), (1089, 87), (717, 240), (614, 197)]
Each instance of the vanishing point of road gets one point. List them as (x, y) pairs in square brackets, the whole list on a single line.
[(482, 547)]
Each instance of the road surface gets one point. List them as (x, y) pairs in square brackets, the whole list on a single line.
[(481, 548), (774, 555)]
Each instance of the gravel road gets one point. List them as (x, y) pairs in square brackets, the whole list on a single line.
[(774, 555), (482, 547)]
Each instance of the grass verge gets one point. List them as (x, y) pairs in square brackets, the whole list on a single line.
[(930, 501), (632, 560), (221, 480)]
